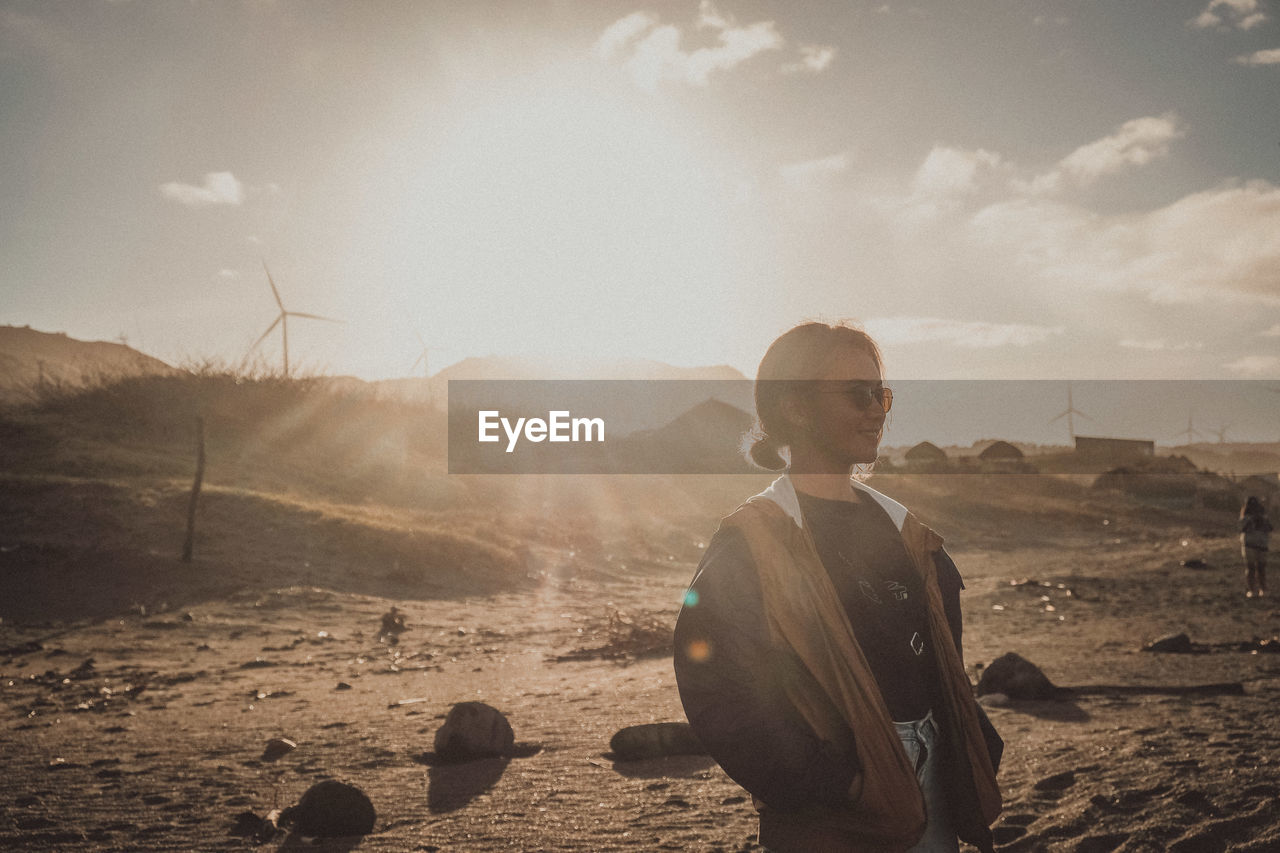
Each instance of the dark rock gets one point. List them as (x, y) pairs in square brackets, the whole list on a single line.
[(1017, 678), (277, 748), (655, 740), (331, 809), (473, 730), (245, 824), (1175, 643)]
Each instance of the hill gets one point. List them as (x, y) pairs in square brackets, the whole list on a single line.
[(31, 360), (435, 388)]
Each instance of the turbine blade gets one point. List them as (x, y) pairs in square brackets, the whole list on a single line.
[(419, 361), (269, 330), (313, 317), (274, 292)]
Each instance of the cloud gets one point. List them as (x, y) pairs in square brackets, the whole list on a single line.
[(799, 175), (813, 59), (620, 32), (653, 55), (1230, 14), (1217, 245), (951, 171), (971, 335), (228, 274), (218, 188), (1255, 365), (1134, 144), (1260, 57)]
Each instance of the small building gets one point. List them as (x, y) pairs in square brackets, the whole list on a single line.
[(1114, 451), (1000, 451), (926, 454)]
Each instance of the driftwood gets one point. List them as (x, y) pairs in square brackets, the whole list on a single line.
[(189, 545)]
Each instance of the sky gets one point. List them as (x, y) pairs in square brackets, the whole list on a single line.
[(994, 189)]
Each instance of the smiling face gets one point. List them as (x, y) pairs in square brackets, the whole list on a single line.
[(837, 425)]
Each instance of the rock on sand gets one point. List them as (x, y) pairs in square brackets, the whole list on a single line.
[(331, 809), (654, 740), (1017, 678), (474, 730)]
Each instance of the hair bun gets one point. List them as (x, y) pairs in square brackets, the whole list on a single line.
[(764, 453)]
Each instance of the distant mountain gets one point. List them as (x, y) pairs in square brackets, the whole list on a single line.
[(510, 368), (705, 439), (30, 358)]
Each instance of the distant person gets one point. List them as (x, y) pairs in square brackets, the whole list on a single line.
[(393, 625), (818, 651), (1255, 533)]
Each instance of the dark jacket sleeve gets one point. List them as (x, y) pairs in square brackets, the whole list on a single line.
[(950, 583), (731, 681)]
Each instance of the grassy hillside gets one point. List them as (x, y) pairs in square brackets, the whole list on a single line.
[(303, 484), (308, 485)]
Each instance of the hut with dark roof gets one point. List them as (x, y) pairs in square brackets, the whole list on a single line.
[(926, 456), (1002, 456)]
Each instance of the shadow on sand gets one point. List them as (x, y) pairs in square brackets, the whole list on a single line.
[(1061, 710), (671, 766), (450, 786), (295, 841)]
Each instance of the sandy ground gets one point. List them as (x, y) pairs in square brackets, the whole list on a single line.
[(156, 744)]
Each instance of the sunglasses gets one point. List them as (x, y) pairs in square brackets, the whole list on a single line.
[(862, 396)]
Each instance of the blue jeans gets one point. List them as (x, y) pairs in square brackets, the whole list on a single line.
[(920, 738)]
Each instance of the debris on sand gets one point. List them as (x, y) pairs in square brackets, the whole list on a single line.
[(331, 809), (625, 637), (261, 829), (392, 626), (1036, 586), (655, 740), (473, 730), (1017, 678)]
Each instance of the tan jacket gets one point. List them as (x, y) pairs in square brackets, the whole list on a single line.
[(838, 697)]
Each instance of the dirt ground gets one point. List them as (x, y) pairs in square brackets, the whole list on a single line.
[(145, 731)]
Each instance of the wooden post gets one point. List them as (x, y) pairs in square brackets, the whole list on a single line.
[(195, 492)]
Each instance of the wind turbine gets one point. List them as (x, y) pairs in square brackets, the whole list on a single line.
[(422, 359), (1191, 432), (283, 321), (1220, 432), (1068, 414)]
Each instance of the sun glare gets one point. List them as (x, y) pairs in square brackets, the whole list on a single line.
[(551, 206)]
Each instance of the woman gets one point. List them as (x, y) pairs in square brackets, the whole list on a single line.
[(818, 650), (1255, 530)]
